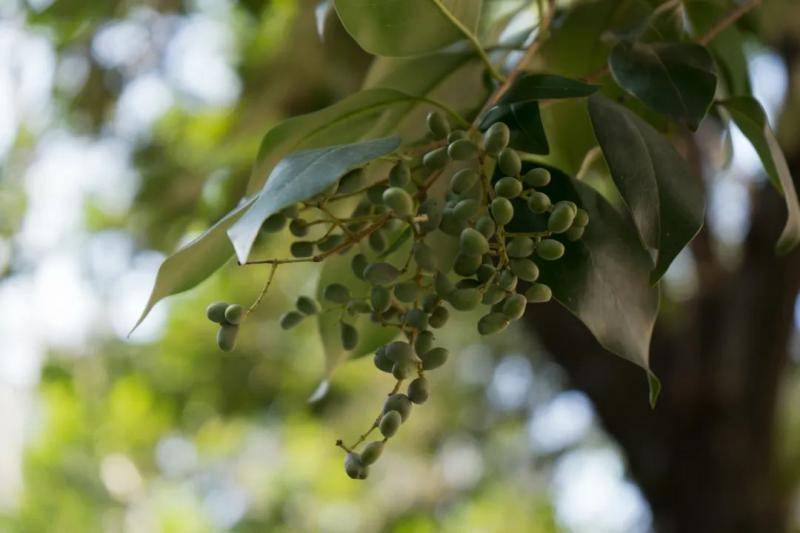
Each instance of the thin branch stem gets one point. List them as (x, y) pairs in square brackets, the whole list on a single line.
[(264, 290), (472, 39), (734, 15)]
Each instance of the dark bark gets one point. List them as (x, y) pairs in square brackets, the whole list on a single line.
[(705, 457)]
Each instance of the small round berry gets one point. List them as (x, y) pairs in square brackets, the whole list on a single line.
[(234, 314), (216, 312), (537, 177), (502, 211), (226, 337), (508, 161), (550, 249), (496, 138), (389, 424), (437, 125), (418, 390)]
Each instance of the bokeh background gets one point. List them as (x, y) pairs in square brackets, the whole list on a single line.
[(127, 127)]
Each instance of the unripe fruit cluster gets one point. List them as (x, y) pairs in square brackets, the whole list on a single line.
[(494, 268)]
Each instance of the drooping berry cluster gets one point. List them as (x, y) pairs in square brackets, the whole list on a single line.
[(415, 294)]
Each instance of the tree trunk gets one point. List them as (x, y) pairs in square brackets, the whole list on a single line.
[(705, 457)]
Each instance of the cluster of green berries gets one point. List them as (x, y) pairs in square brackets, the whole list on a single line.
[(494, 268), (228, 316)]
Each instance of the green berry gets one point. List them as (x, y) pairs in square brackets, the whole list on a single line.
[(372, 452), (466, 265), (400, 403), (399, 351), (451, 224), (424, 342), (349, 336), (508, 187), (358, 264), (418, 390), (438, 125), (502, 211), (352, 465), (216, 312), (382, 362), (336, 293), (377, 241), (425, 257), (572, 205), (492, 323), (436, 159), (298, 227), (380, 299), (351, 182), (575, 233), (520, 247), (561, 218), (486, 226), (381, 274), (407, 291), (434, 358), (417, 319), (274, 223), (472, 242), (389, 424), (508, 161), (507, 280), (525, 269), (399, 201), (464, 299), (538, 202), (466, 209), (581, 218), (429, 302), (439, 317), (496, 138), (302, 249), (291, 319), (550, 249), (226, 337), (400, 174), (456, 135), (234, 314), (462, 150), (493, 295), (485, 273), (514, 306), (537, 177), (404, 370), (442, 285), (432, 208), (463, 180), (538, 293)]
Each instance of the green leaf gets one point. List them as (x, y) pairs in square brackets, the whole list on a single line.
[(604, 279), (407, 27), (727, 47), (363, 115), (665, 199), (750, 117), (676, 79), (194, 262), (300, 176), (578, 43), (545, 87), (519, 108)]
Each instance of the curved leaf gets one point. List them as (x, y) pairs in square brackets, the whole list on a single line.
[(366, 114), (545, 87), (604, 279), (406, 27), (666, 201), (750, 117), (676, 79), (194, 262), (299, 177)]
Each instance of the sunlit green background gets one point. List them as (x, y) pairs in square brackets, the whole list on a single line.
[(125, 128)]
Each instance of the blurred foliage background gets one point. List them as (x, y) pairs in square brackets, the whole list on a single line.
[(128, 126)]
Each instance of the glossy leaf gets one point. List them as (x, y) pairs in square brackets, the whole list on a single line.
[(750, 117), (299, 177), (407, 27), (545, 87), (363, 115), (665, 199), (676, 79), (194, 262), (604, 279)]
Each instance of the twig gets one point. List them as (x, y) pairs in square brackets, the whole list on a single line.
[(727, 20), (264, 290)]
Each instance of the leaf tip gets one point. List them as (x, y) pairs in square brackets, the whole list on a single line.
[(654, 386), (320, 392)]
